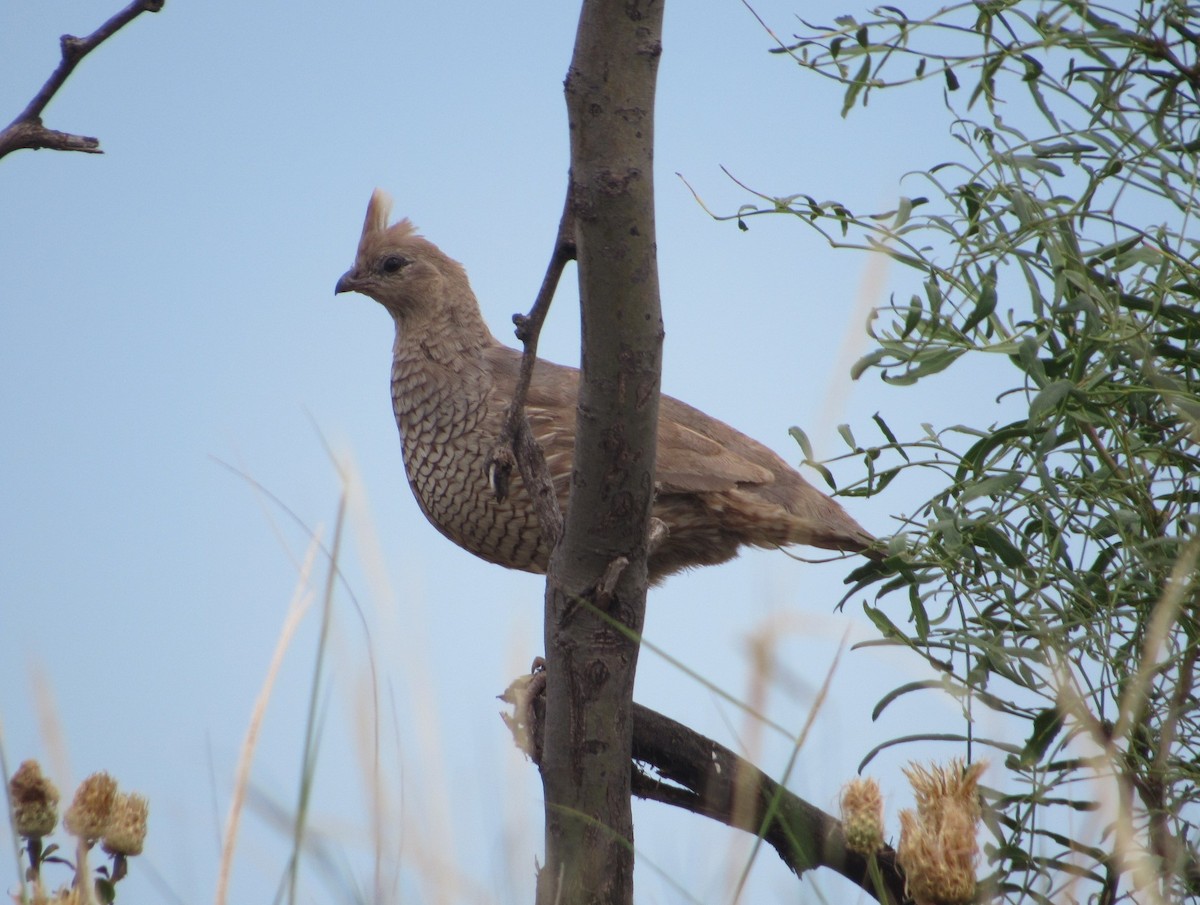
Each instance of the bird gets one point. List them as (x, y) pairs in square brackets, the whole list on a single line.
[(716, 490)]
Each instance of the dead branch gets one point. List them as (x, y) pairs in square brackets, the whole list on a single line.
[(678, 766), (27, 131)]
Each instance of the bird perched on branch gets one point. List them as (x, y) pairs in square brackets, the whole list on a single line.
[(716, 489)]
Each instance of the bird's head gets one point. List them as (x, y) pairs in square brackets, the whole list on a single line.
[(404, 272)]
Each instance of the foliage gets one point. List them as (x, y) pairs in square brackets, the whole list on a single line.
[(1052, 575)]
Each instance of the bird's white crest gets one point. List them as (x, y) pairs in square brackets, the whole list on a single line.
[(375, 226), (379, 209)]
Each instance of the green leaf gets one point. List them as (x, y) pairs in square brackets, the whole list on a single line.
[(106, 891), (920, 617), (997, 485), (844, 431), (802, 438), (932, 364), (824, 473), (867, 361), (1029, 362), (887, 699), (986, 302), (887, 431), (860, 81), (1046, 727), (1049, 397), (913, 317), (951, 79), (988, 538), (885, 625)]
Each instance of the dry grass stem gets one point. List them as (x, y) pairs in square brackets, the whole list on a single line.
[(302, 599)]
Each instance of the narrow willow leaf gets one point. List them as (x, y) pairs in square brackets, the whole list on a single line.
[(1049, 398), (913, 317), (887, 431), (885, 625), (857, 85), (936, 737), (1046, 727), (848, 436), (824, 473), (1030, 363), (920, 617), (997, 485), (802, 438), (986, 302), (867, 361), (934, 363), (900, 692), (992, 540)]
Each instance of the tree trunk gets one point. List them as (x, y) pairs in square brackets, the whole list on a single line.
[(596, 588)]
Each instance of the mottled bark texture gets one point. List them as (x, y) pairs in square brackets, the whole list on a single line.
[(598, 571)]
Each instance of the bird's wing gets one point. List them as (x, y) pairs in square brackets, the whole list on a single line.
[(698, 453), (549, 405)]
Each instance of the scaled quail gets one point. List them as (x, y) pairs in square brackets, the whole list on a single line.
[(452, 380)]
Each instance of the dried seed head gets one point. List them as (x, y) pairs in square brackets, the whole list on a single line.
[(862, 815), (89, 813), (126, 831), (34, 800), (938, 849)]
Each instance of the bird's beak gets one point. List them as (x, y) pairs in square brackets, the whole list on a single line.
[(346, 283)]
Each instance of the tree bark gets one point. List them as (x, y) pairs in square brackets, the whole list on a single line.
[(596, 587)]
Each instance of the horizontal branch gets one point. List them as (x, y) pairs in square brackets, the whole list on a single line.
[(696, 774), (708, 779)]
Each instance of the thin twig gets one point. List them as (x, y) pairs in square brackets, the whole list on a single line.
[(27, 131), (516, 444)]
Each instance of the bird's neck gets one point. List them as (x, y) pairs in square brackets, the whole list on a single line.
[(438, 365), (453, 341)]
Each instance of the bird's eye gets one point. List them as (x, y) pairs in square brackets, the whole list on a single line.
[(393, 263)]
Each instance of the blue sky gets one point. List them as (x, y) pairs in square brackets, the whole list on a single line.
[(167, 321)]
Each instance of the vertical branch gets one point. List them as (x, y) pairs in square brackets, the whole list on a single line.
[(515, 444), (598, 569)]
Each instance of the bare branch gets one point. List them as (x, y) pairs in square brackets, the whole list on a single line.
[(708, 779), (696, 774), (516, 444), (27, 131)]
